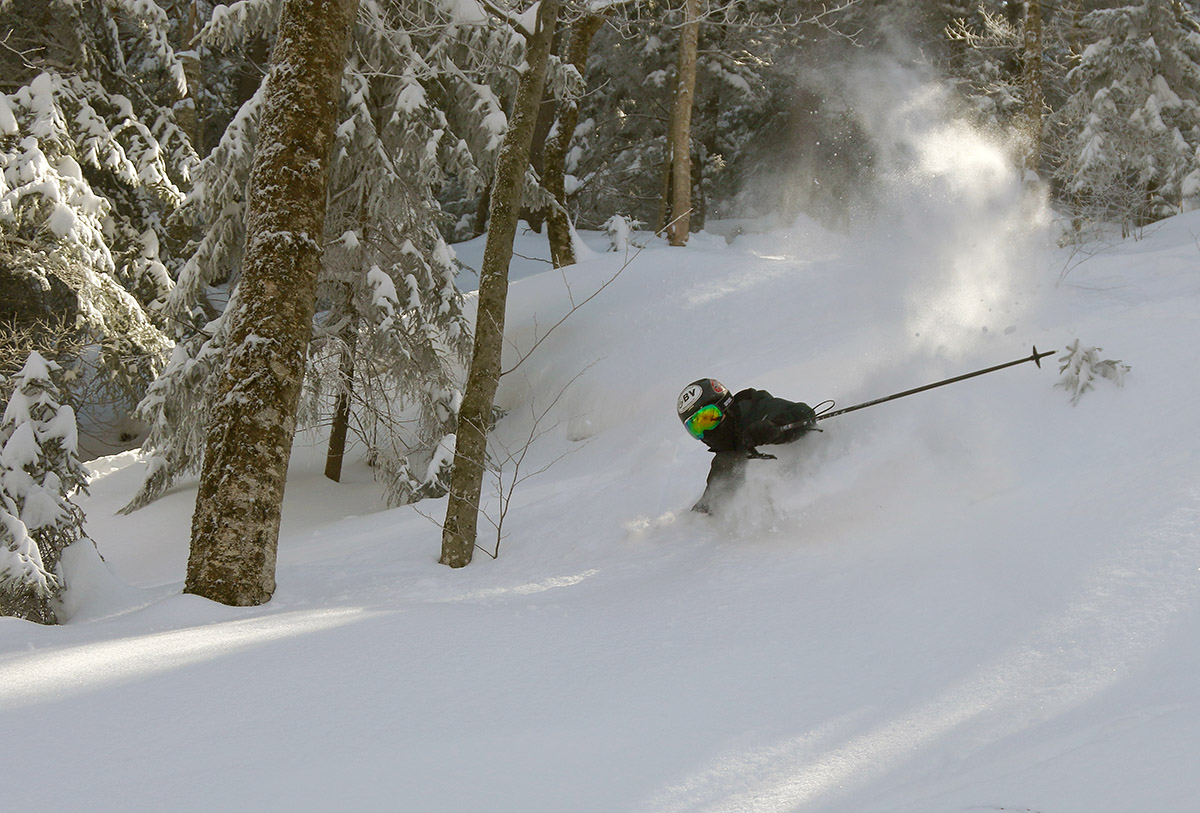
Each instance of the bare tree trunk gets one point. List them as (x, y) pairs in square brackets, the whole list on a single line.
[(537, 153), (479, 222), (235, 528), (699, 204), (187, 110), (681, 124), (558, 226), (664, 186), (341, 412), (1032, 76), (475, 414)]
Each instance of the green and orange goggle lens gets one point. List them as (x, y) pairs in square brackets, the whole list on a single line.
[(705, 418)]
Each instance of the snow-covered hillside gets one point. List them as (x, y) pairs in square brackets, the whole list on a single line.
[(979, 598)]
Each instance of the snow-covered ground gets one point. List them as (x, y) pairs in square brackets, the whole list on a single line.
[(980, 598)]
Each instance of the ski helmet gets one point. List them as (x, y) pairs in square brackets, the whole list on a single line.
[(694, 402)]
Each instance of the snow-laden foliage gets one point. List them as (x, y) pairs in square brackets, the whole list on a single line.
[(418, 112), (39, 472), (1134, 115), (987, 62), (91, 164), (177, 409), (1081, 366)]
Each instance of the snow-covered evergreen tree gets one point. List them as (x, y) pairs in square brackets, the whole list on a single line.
[(1133, 118), (39, 472), (1010, 61), (91, 164), (389, 330)]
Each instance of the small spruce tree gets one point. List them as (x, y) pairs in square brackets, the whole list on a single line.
[(1081, 366), (39, 472)]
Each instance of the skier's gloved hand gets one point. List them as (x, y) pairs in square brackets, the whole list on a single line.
[(762, 433), (755, 454), (805, 415)]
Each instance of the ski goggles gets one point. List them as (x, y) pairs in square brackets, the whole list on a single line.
[(705, 418)]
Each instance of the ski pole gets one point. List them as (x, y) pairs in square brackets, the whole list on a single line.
[(1036, 358)]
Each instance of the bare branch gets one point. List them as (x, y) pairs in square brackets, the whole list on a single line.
[(574, 308), (536, 432)]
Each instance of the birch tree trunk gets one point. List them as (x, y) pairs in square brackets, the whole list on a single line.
[(235, 527), (679, 139), (558, 226), (475, 414)]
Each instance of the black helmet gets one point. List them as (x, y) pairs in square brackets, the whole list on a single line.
[(702, 405)]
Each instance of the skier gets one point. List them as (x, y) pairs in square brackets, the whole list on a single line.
[(733, 426)]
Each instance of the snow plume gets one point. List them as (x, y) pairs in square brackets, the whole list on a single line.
[(945, 245), (956, 227)]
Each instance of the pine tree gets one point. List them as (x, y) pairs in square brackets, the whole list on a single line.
[(39, 472), (749, 57), (391, 330), (1134, 114), (1010, 64), (612, 165), (559, 229), (91, 165), (1081, 365)]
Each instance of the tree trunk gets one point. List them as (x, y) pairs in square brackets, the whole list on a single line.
[(537, 152), (235, 528), (1032, 78), (681, 123), (558, 226), (187, 109), (479, 224), (341, 412), (664, 186), (475, 414)]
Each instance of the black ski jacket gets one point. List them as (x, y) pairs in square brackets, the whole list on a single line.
[(756, 418)]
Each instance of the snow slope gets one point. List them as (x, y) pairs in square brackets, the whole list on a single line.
[(975, 599)]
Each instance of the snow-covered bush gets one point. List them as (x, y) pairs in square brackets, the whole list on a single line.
[(1080, 367), (39, 472)]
